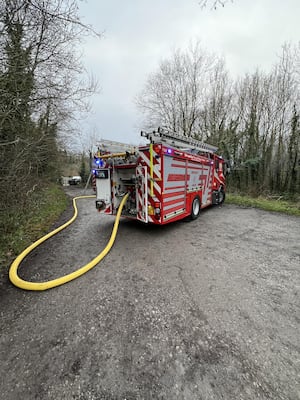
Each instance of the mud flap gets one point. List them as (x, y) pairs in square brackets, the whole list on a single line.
[(215, 197)]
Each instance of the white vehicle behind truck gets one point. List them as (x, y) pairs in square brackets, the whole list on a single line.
[(74, 180)]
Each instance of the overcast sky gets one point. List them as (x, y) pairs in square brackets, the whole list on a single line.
[(138, 34)]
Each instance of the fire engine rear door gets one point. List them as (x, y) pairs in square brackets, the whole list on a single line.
[(142, 194)]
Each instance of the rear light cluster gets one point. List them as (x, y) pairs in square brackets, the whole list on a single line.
[(157, 210)]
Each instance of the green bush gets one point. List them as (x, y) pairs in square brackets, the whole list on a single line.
[(19, 229)]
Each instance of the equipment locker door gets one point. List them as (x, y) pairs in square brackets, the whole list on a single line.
[(142, 194)]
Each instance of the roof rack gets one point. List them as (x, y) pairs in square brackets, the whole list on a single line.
[(114, 147), (176, 140)]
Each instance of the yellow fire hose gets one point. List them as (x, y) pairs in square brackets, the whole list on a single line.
[(13, 271)]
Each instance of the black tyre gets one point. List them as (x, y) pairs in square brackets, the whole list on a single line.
[(221, 196), (196, 207)]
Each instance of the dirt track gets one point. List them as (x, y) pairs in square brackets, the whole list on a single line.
[(200, 310)]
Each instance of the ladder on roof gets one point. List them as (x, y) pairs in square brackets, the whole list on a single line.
[(111, 146), (176, 140)]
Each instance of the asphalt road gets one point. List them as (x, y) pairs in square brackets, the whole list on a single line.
[(202, 310)]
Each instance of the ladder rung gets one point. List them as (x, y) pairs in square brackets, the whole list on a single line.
[(177, 140)]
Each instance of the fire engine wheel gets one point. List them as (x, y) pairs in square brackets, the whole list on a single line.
[(221, 197), (196, 206)]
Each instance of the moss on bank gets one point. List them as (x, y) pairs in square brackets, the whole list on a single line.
[(268, 204)]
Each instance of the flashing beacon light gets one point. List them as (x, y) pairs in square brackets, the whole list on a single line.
[(99, 162), (169, 151)]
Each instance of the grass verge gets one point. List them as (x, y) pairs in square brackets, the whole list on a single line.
[(282, 206), (45, 206)]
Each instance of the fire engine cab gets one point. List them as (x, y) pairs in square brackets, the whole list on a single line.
[(170, 178)]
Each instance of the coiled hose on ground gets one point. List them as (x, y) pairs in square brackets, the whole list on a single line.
[(39, 286)]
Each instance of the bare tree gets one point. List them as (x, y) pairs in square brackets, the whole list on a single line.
[(254, 121), (174, 95), (214, 4), (216, 111), (42, 84), (266, 141)]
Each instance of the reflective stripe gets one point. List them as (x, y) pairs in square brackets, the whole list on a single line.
[(156, 170), (173, 200), (174, 214), (174, 206), (173, 193), (151, 169), (171, 189)]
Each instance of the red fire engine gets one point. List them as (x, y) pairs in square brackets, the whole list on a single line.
[(171, 178)]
